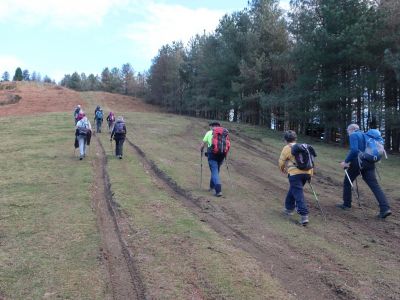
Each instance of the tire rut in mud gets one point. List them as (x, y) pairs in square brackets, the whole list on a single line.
[(124, 277), (285, 269)]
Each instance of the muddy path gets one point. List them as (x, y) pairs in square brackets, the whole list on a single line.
[(123, 275), (279, 261)]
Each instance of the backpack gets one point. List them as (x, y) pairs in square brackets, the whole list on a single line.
[(374, 149), (111, 117), (119, 128), (221, 142), (304, 155), (84, 129), (99, 114), (76, 112)]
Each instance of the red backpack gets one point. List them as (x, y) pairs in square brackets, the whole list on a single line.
[(221, 142)]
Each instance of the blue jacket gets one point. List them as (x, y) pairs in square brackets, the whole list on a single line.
[(357, 144)]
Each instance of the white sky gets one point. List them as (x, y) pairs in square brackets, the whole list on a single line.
[(60, 37)]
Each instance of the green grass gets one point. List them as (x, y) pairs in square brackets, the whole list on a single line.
[(48, 235), (180, 254), (173, 146)]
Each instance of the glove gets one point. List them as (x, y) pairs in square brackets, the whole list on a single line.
[(111, 140)]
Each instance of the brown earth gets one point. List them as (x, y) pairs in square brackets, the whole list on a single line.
[(123, 275), (37, 98)]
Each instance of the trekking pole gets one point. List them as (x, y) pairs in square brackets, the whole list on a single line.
[(229, 173), (316, 199), (348, 177), (377, 172), (111, 147), (201, 168), (359, 201), (357, 192)]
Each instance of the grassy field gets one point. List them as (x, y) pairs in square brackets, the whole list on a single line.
[(51, 248), (49, 244)]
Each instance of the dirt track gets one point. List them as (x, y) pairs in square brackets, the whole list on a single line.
[(124, 276), (273, 257)]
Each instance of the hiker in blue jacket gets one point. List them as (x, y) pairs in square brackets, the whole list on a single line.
[(355, 167)]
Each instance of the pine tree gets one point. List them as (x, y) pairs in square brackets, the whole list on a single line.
[(18, 75), (6, 76), (25, 75)]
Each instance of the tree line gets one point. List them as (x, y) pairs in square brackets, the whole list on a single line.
[(122, 81), (25, 75), (315, 69)]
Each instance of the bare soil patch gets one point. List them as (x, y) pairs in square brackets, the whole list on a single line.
[(124, 276), (34, 98)]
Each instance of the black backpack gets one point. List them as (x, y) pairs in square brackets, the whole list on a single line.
[(304, 155)]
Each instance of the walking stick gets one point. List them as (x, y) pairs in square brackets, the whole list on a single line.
[(316, 199), (201, 168), (377, 172), (229, 173), (357, 192), (111, 147)]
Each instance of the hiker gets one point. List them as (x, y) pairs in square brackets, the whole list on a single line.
[(76, 113), (82, 133), (98, 118), (215, 154), (356, 163), (119, 133), (110, 121), (297, 178)]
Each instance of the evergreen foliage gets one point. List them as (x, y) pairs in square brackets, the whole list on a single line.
[(18, 75)]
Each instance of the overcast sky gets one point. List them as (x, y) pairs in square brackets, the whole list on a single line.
[(60, 37)]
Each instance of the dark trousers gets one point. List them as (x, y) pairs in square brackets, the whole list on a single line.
[(118, 146), (295, 195), (368, 174), (99, 122)]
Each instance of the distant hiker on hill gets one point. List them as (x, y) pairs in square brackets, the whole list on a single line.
[(218, 144), (76, 113), (110, 121), (83, 133), (296, 160), (361, 160), (119, 133), (98, 118)]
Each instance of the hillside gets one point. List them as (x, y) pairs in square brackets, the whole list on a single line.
[(143, 227)]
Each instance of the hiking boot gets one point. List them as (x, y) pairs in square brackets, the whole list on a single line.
[(218, 194), (342, 206), (383, 215), (304, 220), (288, 212), (81, 157), (120, 157)]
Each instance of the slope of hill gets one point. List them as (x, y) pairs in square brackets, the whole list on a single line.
[(143, 227)]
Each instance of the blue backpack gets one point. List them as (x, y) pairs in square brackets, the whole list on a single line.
[(374, 149), (119, 128), (99, 114)]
